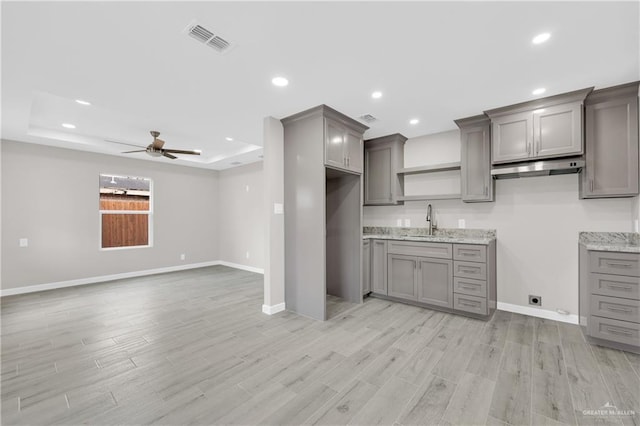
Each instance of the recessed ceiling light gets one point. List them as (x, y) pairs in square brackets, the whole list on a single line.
[(414, 121), (279, 81), (539, 91), (541, 38), (81, 102), (229, 138), (68, 126), (376, 95)]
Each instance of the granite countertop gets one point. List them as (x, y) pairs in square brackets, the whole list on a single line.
[(628, 242), (445, 235)]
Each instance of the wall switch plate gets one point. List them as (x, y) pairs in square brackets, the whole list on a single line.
[(278, 208), (462, 224), (399, 222), (246, 188), (183, 256), (24, 242), (247, 255), (407, 223), (635, 225)]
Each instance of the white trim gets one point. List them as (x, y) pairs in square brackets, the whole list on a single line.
[(102, 278), (243, 267), (537, 312), (273, 309)]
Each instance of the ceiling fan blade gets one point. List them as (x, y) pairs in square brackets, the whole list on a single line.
[(166, 154), (157, 143), (182, 151), (123, 143), (129, 152)]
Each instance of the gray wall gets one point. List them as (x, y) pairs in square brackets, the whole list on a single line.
[(537, 219), (241, 215), (50, 196)]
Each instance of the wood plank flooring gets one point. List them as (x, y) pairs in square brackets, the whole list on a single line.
[(193, 347)]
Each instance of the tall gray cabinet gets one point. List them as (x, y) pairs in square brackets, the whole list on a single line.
[(475, 159), (383, 159), (611, 139), (323, 209)]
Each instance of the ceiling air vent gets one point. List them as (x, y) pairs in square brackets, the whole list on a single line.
[(368, 118), (207, 37)]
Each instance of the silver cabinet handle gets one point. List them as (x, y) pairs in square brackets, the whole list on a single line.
[(468, 287), (618, 331), (621, 310), (591, 185), (618, 265), (528, 148), (471, 305), (619, 287), (486, 190), (537, 145)]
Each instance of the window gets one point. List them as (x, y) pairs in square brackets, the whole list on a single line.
[(125, 212)]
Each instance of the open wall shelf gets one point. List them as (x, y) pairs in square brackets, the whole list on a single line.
[(430, 197), (429, 169)]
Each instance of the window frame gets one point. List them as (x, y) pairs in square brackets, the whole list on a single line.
[(149, 213)]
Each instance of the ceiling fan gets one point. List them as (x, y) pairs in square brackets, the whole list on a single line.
[(155, 148)]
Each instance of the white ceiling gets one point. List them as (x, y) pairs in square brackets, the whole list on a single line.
[(436, 61)]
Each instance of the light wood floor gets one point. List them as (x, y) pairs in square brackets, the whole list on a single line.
[(194, 348)]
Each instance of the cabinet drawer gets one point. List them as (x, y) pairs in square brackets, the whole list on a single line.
[(615, 330), (470, 287), (471, 253), (615, 285), (611, 262), (477, 271), (473, 304), (411, 248), (616, 308)]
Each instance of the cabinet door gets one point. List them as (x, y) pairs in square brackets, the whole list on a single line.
[(475, 169), (557, 130), (378, 182), (435, 282), (512, 137), (353, 150), (402, 276), (334, 154), (366, 267), (611, 149), (379, 266)]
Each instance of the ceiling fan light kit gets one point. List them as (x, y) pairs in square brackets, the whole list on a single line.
[(155, 148)]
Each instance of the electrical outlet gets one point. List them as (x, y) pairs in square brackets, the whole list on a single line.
[(183, 256), (462, 224), (535, 300), (399, 222), (278, 208), (247, 255), (407, 223), (246, 188), (635, 225), (23, 242)]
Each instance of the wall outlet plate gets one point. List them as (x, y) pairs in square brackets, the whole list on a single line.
[(462, 224), (535, 300)]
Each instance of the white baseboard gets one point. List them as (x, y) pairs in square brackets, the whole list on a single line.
[(537, 312), (243, 267), (103, 278), (273, 309)]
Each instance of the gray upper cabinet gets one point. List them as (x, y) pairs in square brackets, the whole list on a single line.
[(383, 158), (343, 146), (475, 153), (544, 128), (611, 138)]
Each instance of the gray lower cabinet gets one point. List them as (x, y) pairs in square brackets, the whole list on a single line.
[(610, 298), (455, 277), (366, 267), (379, 267), (435, 281), (402, 276), (476, 182), (611, 143), (383, 158)]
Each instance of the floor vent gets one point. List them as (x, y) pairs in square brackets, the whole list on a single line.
[(207, 37), (368, 118)]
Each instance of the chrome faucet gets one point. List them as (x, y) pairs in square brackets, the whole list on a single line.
[(430, 221)]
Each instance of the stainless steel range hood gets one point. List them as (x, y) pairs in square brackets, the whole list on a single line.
[(539, 168)]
